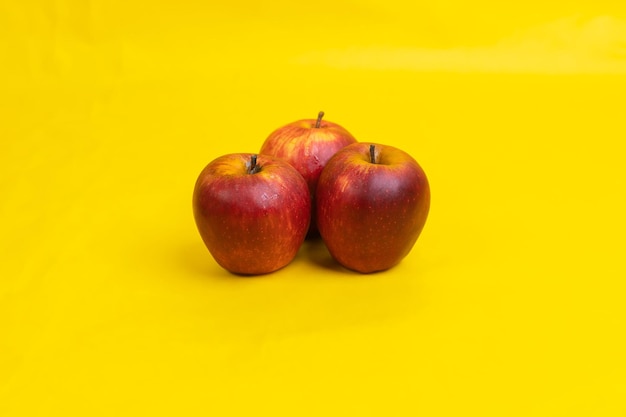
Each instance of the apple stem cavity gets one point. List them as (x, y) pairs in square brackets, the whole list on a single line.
[(372, 154), (254, 168), (319, 120)]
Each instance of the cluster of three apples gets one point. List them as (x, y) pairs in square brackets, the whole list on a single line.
[(367, 201)]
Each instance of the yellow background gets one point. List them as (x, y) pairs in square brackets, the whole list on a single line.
[(510, 304)]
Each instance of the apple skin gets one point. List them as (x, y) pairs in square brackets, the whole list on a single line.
[(251, 223), (370, 215), (308, 148)]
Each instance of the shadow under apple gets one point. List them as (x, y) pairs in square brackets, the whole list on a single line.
[(314, 250)]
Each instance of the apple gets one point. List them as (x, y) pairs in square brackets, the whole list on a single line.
[(372, 204), (252, 212), (308, 145)]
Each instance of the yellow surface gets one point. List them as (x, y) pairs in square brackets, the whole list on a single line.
[(512, 303)]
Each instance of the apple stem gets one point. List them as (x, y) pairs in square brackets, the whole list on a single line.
[(373, 154), (254, 168), (319, 119)]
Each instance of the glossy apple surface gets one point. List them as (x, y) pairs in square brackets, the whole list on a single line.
[(252, 215), (308, 145), (370, 214)]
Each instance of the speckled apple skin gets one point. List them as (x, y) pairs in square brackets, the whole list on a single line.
[(307, 149), (370, 215), (251, 223)]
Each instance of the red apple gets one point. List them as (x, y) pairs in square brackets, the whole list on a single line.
[(252, 212), (372, 203), (307, 145)]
